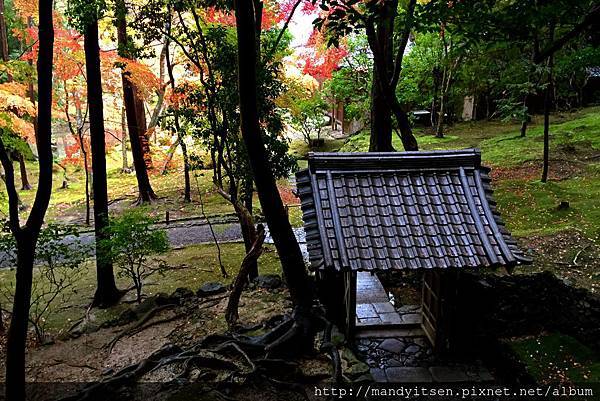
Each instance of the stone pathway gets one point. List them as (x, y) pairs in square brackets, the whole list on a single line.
[(391, 342), (411, 360), (373, 306)]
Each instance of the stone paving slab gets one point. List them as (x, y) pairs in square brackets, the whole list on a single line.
[(408, 375), (384, 332), (447, 374), (366, 311), (373, 307)]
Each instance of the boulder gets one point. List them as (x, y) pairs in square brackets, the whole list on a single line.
[(209, 289), (268, 281)]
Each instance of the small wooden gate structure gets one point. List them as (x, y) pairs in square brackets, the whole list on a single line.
[(410, 210)]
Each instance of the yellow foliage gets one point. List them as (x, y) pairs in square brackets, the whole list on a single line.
[(17, 125), (16, 104), (15, 88), (26, 8)]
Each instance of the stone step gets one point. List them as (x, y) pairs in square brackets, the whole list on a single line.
[(388, 332)]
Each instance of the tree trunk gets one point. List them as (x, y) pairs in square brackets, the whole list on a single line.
[(125, 166), (106, 292), (439, 131), (3, 34), (248, 229), (19, 322), (26, 236), (287, 246), (142, 127), (388, 82), (252, 255), (136, 117), (381, 113), (547, 106), (525, 118), (381, 119), (187, 190), (25, 185)]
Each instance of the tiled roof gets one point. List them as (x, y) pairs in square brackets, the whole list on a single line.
[(367, 211), (593, 72)]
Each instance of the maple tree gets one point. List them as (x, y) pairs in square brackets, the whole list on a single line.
[(320, 60)]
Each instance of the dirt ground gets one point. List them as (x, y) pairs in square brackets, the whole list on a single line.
[(570, 255), (88, 357)]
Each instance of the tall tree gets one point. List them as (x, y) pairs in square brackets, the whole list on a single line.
[(379, 21), (134, 109), (26, 236), (106, 291), (248, 22)]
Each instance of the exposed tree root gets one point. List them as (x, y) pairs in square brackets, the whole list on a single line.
[(132, 330), (229, 359)]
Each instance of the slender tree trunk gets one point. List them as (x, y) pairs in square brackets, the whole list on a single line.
[(106, 292), (125, 166), (19, 322), (287, 246), (381, 113), (3, 34), (248, 229), (86, 168), (525, 121), (142, 127), (187, 192), (26, 236), (25, 185), (547, 106), (136, 117), (439, 131)]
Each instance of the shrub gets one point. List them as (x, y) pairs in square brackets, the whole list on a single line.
[(132, 239), (59, 256)]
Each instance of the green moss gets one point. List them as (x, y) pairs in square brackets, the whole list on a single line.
[(531, 207), (191, 267), (300, 149), (558, 358)]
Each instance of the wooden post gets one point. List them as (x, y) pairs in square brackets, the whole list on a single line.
[(350, 303)]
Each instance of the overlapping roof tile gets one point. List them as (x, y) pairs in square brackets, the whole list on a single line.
[(408, 210)]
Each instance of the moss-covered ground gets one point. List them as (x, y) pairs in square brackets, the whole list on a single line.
[(557, 358)]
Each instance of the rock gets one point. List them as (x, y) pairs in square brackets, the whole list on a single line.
[(209, 289), (268, 281), (412, 318), (378, 375), (412, 349), (446, 374), (408, 375), (394, 363), (392, 345), (182, 293), (107, 371), (408, 308)]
